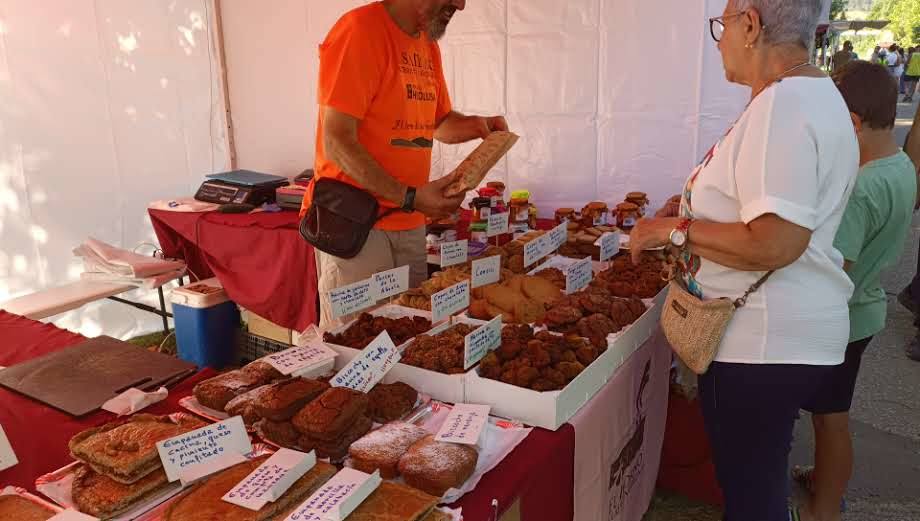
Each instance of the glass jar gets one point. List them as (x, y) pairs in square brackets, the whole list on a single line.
[(639, 199), (479, 232), (482, 208), (565, 215), (520, 207), (595, 213), (499, 188), (490, 194), (627, 214), (532, 217)]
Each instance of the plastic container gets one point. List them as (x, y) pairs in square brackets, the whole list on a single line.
[(207, 324)]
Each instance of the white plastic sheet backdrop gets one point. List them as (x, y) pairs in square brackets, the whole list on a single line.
[(105, 105), (609, 96)]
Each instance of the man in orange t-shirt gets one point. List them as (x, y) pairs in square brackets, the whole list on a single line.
[(383, 100)]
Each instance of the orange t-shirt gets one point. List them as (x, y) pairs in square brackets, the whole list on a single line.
[(394, 84)]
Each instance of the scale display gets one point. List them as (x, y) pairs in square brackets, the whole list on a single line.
[(222, 193)]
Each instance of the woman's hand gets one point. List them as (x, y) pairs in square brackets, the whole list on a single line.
[(651, 233)]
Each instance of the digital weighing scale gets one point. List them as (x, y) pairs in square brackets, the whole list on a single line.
[(240, 187)]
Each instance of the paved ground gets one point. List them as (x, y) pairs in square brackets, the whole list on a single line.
[(886, 414)]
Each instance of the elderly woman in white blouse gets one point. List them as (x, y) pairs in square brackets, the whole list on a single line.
[(768, 196)]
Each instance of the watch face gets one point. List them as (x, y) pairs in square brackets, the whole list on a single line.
[(678, 238)]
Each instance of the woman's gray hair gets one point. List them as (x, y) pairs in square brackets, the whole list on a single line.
[(786, 21)]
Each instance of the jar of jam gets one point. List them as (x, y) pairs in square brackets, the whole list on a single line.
[(595, 213), (499, 188), (627, 214), (566, 215), (532, 217), (482, 208), (640, 199), (479, 232), (520, 207), (491, 194)]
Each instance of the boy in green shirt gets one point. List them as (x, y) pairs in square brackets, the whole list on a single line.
[(872, 232)]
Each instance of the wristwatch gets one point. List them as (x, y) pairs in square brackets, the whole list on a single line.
[(408, 205), (680, 236)]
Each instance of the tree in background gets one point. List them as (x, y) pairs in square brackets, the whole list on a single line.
[(839, 9), (904, 16)]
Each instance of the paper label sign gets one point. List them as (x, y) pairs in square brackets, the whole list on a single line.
[(72, 515), (295, 359), (536, 250), (390, 283), (203, 451), (558, 236), (487, 271), (339, 497), (609, 244), (7, 456), (271, 480), (498, 224), (449, 301), (477, 344), (453, 253), (352, 298), (370, 366), (578, 276), (464, 424)]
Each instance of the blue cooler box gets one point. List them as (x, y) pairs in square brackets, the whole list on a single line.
[(207, 324)]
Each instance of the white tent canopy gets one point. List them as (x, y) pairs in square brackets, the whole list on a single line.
[(106, 105)]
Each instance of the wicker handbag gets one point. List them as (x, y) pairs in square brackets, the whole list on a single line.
[(695, 327)]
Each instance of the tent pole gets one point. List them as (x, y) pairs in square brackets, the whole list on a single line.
[(225, 85)]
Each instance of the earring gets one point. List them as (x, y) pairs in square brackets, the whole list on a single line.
[(748, 46)]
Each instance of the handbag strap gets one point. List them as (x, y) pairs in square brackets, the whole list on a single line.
[(741, 302)]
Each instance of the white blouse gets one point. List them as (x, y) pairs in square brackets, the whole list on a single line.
[(793, 153)]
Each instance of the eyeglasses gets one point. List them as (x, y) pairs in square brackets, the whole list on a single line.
[(717, 25)]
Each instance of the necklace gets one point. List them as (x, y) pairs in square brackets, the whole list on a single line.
[(779, 78)]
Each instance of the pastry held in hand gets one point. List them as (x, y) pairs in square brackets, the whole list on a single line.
[(474, 168)]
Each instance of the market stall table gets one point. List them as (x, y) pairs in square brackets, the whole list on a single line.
[(260, 259), (537, 475)]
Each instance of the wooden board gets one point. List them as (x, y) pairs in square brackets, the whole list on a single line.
[(79, 379)]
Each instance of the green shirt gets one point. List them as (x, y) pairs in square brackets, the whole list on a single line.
[(872, 233)]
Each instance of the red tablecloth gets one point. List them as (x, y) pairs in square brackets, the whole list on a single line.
[(39, 434), (259, 258), (539, 471)]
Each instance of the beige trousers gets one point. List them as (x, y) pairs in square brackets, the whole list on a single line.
[(383, 251)]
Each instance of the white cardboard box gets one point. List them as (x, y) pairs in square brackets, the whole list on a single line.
[(443, 387), (552, 409)]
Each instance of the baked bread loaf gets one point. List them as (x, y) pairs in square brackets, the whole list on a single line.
[(105, 498), (216, 392), (381, 449), (337, 449), (435, 466), (331, 414), (125, 450), (282, 434), (18, 508), (285, 398), (264, 371), (474, 168), (244, 404), (390, 402), (394, 502), (203, 501)]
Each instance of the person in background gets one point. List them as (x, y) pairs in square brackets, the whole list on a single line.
[(768, 197), (911, 74), (876, 222), (892, 59), (843, 56), (876, 55), (899, 69), (383, 100)]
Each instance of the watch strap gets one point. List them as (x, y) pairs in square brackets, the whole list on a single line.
[(409, 200)]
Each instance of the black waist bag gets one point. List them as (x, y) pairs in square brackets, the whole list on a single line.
[(340, 218)]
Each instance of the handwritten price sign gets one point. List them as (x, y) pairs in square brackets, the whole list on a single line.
[(449, 301), (390, 283), (464, 424), (352, 298)]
